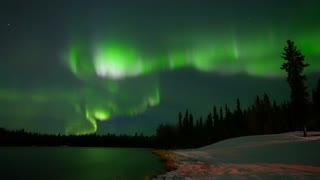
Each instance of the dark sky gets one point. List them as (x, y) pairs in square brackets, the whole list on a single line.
[(80, 66)]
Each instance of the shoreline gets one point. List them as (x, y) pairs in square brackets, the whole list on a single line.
[(167, 157), (172, 162)]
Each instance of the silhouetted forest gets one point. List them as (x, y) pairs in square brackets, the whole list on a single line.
[(23, 138), (263, 117)]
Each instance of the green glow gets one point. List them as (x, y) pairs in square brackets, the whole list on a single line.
[(177, 60), (154, 99), (80, 63), (258, 55), (101, 115), (117, 61), (81, 126), (91, 119), (73, 60)]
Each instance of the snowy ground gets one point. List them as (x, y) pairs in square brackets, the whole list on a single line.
[(279, 156)]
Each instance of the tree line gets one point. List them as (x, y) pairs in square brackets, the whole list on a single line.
[(23, 138), (262, 117)]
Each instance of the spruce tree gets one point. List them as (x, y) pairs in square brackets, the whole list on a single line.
[(238, 106), (185, 119), (294, 65), (221, 114), (215, 116), (180, 120)]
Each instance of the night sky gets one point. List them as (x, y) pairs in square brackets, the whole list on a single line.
[(84, 66)]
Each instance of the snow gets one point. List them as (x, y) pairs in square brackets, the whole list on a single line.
[(276, 156)]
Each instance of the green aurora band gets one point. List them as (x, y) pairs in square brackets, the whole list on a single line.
[(258, 56)]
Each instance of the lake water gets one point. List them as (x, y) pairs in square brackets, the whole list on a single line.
[(78, 163)]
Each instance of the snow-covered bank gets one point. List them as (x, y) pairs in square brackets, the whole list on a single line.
[(278, 156)]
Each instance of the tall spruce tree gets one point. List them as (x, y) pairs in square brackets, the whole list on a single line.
[(294, 65), (238, 111), (185, 119)]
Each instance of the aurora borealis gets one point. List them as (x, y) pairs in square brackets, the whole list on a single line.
[(125, 66)]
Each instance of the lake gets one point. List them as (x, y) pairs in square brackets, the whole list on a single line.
[(78, 163)]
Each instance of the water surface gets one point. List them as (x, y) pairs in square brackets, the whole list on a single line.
[(78, 163)]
